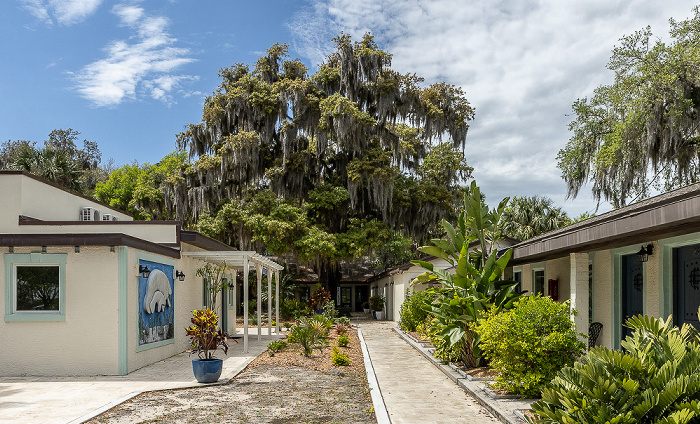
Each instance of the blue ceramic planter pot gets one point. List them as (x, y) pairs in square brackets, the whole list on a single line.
[(207, 370)]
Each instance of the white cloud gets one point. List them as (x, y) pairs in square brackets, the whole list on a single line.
[(65, 12), (522, 63), (133, 68)]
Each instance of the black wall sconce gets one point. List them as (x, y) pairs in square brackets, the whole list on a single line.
[(180, 275), (144, 271), (645, 252), (77, 249)]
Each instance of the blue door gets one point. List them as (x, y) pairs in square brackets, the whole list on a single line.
[(632, 290), (687, 285)]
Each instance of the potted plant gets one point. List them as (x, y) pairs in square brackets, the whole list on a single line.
[(377, 305), (205, 339), (365, 307)]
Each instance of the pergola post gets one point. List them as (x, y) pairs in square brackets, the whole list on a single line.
[(269, 302), (234, 278), (258, 302), (245, 305), (277, 302)]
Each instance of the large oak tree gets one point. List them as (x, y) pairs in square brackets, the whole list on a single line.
[(641, 131), (343, 162)]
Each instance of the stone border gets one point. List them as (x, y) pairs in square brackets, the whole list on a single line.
[(380, 411), (503, 409)]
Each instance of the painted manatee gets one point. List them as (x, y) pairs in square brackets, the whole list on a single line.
[(157, 292)]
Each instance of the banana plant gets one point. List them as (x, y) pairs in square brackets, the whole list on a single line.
[(477, 283)]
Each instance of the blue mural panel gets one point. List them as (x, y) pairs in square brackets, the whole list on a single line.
[(156, 303)]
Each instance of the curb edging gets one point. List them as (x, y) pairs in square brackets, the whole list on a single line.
[(375, 392), (503, 409)]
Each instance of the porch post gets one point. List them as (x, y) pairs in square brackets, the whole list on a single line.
[(269, 302), (258, 301), (579, 288), (234, 278), (245, 304), (277, 302)]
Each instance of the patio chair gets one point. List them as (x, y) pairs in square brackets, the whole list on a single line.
[(593, 333)]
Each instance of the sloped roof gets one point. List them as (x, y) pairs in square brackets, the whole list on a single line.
[(674, 213)]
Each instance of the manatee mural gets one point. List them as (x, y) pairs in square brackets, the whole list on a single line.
[(156, 303)]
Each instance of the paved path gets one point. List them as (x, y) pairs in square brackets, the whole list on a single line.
[(414, 390), (61, 400)]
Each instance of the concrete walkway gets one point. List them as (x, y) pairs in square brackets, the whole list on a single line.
[(61, 400), (414, 391)]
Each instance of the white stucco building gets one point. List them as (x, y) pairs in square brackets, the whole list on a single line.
[(76, 299)]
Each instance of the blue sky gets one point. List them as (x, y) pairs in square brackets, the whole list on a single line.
[(130, 75)]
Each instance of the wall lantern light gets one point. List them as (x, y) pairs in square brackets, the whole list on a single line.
[(143, 270), (645, 252), (180, 275), (77, 249)]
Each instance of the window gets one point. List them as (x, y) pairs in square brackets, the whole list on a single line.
[(35, 283), (518, 276), (538, 281), (37, 288)]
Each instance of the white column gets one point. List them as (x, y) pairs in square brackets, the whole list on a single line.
[(234, 278), (245, 305), (277, 302), (269, 302), (578, 287), (258, 302)]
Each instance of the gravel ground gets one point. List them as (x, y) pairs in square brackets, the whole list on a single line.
[(286, 387)]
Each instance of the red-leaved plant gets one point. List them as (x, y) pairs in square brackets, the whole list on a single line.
[(205, 338)]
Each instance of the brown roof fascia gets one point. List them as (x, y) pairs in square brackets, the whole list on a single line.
[(200, 240), (60, 187), (28, 220), (105, 239), (663, 216)]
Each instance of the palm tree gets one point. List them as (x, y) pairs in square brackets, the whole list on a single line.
[(527, 217)]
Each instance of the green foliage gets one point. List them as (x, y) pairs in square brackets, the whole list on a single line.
[(639, 132), (339, 358), (329, 311), (311, 333), (205, 337), (343, 340), (414, 309), (474, 287), (276, 346), (215, 281), (527, 217), (346, 181), (655, 379), (138, 189), (293, 309), (529, 343), (60, 161), (376, 303)]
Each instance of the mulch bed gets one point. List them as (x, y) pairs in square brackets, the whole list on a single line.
[(286, 387)]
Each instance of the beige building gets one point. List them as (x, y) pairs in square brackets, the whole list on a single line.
[(643, 258), (90, 291)]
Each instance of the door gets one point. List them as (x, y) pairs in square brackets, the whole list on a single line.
[(346, 297), (687, 285), (632, 290)]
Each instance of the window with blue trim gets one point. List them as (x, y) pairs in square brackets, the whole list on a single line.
[(35, 287)]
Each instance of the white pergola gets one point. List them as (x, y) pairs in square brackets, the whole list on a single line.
[(242, 260)]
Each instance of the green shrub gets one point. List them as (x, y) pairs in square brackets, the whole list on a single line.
[(311, 333), (413, 310), (329, 310), (654, 380), (339, 358), (343, 340), (376, 303), (293, 309), (276, 346), (529, 344)]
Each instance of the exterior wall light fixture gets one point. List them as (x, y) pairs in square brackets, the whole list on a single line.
[(143, 270), (180, 275), (645, 252)]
